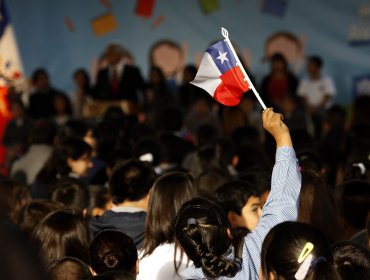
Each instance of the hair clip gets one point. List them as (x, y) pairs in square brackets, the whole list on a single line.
[(192, 221), (238, 262), (303, 268), (361, 166), (307, 249)]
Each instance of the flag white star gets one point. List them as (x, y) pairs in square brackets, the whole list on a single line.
[(222, 57)]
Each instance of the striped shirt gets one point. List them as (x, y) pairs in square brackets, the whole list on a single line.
[(281, 206)]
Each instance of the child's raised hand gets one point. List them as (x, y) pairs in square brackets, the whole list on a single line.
[(273, 123)]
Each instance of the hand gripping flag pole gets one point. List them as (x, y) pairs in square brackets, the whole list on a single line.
[(225, 33)]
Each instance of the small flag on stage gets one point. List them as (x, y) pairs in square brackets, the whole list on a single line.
[(222, 75)]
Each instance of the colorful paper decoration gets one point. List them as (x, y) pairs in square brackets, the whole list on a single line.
[(69, 24), (209, 6), (104, 24), (145, 8), (158, 21)]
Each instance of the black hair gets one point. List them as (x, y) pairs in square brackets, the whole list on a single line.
[(62, 233), (201, 230), (352, 261), (257, 176), (57, 165), (232, 196), (115, 275), (335, 116), (148, 146), (71, 192), (206, 135), (354, 202), (317, 60), (99, 197), (19, 261), (39, 72), (73, 129), (34, 212), (171, 119), (131, 180), (177, 187), (69, 268), (85, 74), (112, 250), (42, 132), (283, 247), (211, 179)]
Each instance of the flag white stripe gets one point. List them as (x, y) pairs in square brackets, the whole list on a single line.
[(208, 75)]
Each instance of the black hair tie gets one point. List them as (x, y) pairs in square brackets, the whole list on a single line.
[(316, 261), (238, 262)]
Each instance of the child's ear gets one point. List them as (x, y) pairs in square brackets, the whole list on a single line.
[(233, 218)]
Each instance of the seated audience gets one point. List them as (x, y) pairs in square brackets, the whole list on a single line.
[(161, 258), (316, 206), (129, 187), (202, 228), (69, 268), (72, 193), (25, 169), (112, 250), (62, 234), (352, 261), (293, 250), (41, 103), (13, 197), (31, 214), (241, 203), (62, 108), (99, 200), (72, 158)]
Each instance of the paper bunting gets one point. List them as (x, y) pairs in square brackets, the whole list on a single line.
[(69, 24), (158, 21)]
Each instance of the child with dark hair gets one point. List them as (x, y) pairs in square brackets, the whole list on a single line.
[(72, 193), (316, 206), (60, 234), (34, 212), (293, 250), (211, 179), (69, 268), (161, 258), (99, 200), (353, 198), (41, 140), (203, 231), (13, 197), (260, 179), (71, 159), (241, 203), (352, 261), (112, 250), (129, 187)]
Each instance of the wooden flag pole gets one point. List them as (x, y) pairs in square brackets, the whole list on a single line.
[(225, 33)]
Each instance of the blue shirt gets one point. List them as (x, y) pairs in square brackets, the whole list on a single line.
[(281, 206)]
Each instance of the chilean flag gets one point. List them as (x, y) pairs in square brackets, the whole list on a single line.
[(220, 75)]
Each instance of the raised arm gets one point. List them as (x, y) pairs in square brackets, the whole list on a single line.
[(282, 203)]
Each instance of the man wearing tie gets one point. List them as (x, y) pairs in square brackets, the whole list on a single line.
[(118, 81)]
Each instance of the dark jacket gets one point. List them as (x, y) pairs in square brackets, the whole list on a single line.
[(130, 83), (130, 223)]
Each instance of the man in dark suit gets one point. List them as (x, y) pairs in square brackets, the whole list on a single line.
[(118, 81)]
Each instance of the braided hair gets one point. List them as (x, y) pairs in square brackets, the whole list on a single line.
[(201, 229)]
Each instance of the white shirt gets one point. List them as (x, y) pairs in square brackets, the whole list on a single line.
[(160, 264), (315, 90)]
